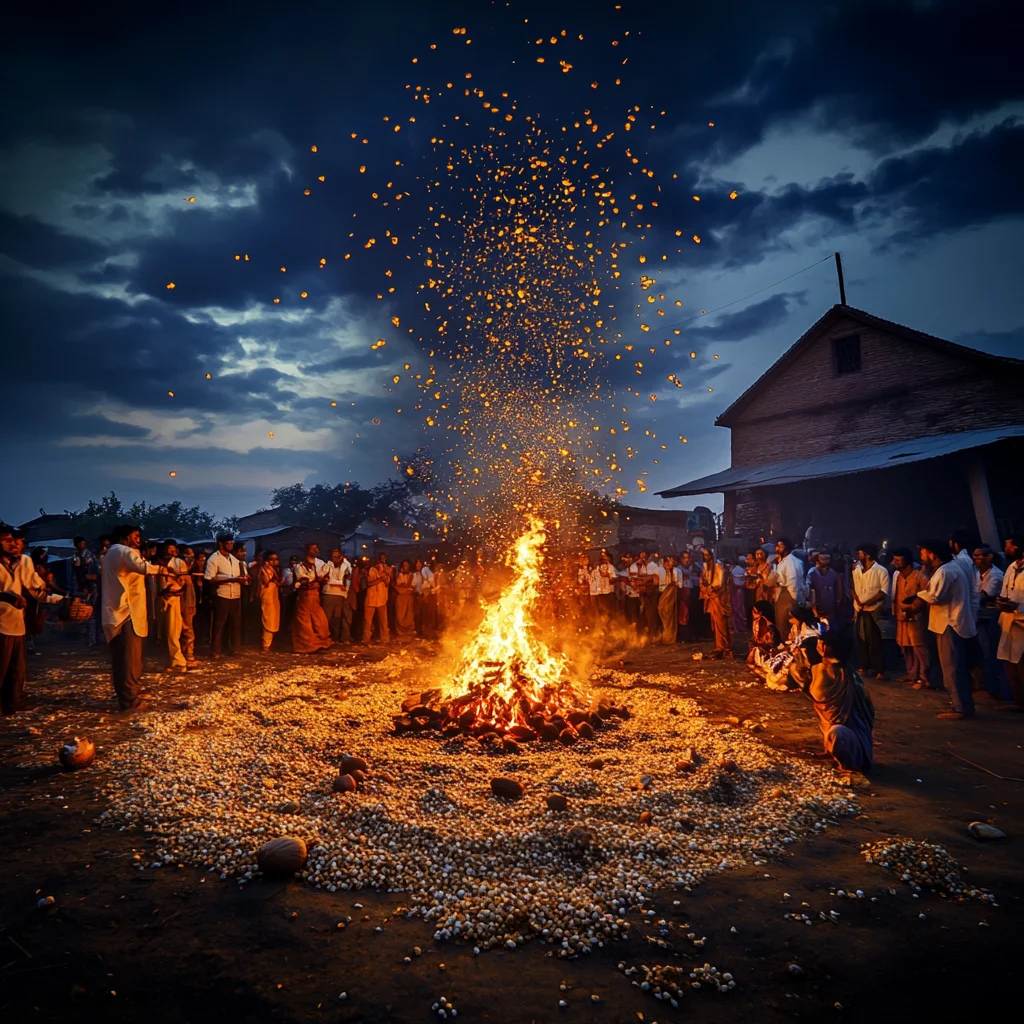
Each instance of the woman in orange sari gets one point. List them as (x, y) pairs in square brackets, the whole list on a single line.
[(405, 620), (310, 631)]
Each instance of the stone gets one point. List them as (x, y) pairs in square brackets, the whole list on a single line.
[(732, 720), (586, 730), (549, 731), (510, 746), (580, 837), (597, 764), (288, 807), (350, 763), (557, 802), (283, 856), (980, 830), (509, 789), (523, 733), (596, 720), (575, 717), (567, 737), (602, 709), (645, 817), (403, 723), (358, 775), (76, 755), (344, 784), (727, 764)]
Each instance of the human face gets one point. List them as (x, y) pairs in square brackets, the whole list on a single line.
[(1012, 551), (313, 551), (862, 557), (760, 555), (224, 546), (274, 561), (80, 545), (751, 561), (201, 561), (928, 558), (8, 545), (405, 565), (134, 540), (419, 564), (898, 562), (780, 548), (687, 560), (824, 561), (172, 550), (336, 557), (981, 560)]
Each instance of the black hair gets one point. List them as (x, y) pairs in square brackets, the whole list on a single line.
[(803, 615), (766, 609), (871, 550), (937, 548), (223, 538), (905, 553), (964, 538), (5, 530), (785, 542), (123, 530), (837, 645), (1017, 540), (78, 539)]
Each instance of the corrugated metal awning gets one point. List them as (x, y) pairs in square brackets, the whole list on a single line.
[(859, 460)]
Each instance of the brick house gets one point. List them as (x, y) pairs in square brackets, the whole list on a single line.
[(874, 431)]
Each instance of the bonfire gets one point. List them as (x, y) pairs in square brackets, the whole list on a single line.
[(508, 680)]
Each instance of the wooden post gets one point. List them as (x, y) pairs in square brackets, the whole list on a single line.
[(842, 286), (983, 510)]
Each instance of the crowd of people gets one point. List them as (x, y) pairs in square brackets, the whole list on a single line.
[(816, 617)]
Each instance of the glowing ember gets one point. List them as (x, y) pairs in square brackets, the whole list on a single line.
[(507, 676)]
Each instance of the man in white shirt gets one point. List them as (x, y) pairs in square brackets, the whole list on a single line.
[(870, 586), (1010, 606), (224, 571), (170, 589), (334, 597), (125, 614), (988, 583), (789, 578), (948, 599), (424, 599), (17, 578), (602, 589)]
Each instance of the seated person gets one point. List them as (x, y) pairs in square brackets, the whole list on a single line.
[(764, 636), (803, 627), (844, 709)]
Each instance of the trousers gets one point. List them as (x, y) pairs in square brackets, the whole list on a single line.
[(171, 624), (339, 615), (380, 613), (869, 643), (227, 618), (12, 673), (126, 664), (188, 633), (953, 659)]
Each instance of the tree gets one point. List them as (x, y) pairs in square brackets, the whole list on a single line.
[(172, 519)]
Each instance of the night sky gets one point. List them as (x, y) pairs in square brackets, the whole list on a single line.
[(893, 132)]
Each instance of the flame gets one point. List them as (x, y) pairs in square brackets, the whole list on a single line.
[(507, 674)]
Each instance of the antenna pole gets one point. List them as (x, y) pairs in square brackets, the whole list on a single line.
[(842, 285)]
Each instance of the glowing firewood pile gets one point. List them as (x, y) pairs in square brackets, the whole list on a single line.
[(508, 682)]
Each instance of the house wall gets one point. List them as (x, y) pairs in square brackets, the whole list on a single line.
[(293, 541), (903, 389), (262, 520)]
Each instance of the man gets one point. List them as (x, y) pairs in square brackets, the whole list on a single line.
[(688, 582), (224, 572), (583, 569), (630, 597), (83, 562), (17, 578), (169, 593), (911, 627), (378, 580), (714, 590), (183, 566), (602, 590), (654, 585), (148, 551), (948, 599), (425, 599), (870, 587), (789, 578), (824, 587), (668, 603), (989, 584), (1010, 606), (125, 613), (334, 597)]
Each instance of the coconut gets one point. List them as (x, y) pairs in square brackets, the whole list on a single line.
[(77, 754), (283, 856)]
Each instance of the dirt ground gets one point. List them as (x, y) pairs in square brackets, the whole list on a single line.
[(181, 945)]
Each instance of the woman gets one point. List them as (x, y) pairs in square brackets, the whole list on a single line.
[(803, 626), (845, 713), (405, 620), (714, 591), (668, 604), (310, 630), (268, 583), (764, 636)]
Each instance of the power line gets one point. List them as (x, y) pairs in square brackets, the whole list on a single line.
[(718, 309)]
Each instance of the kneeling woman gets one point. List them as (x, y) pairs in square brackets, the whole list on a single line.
[(844, 709)]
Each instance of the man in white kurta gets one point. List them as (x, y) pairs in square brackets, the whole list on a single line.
[(17, 578), (124, 612)]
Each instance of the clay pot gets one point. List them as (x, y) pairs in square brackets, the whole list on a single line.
[(283, 856), (509, 789), (76, 755)]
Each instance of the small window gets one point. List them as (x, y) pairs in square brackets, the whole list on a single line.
[(846, 354)]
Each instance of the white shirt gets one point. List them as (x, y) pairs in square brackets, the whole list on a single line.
[(336, 580), (428, 580), (21, 579), (966, 565), (124, 590), (304, 572), (631, 573), (1011, 624), (868, 582), (950, 599), (602, 580), (219, 564), (789, 573), (990, 582), (653, 569)]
